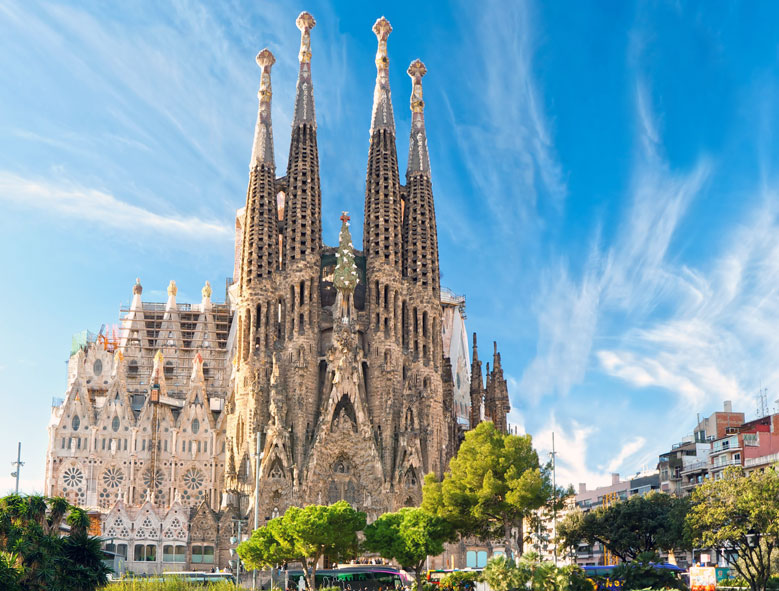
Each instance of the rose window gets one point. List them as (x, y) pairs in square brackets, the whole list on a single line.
[(193, 479), (113, 477), (153, 481), (73, 477), (193, 486)]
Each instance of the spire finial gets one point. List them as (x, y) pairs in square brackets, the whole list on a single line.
[(206, 291), (137, 288), (305, 22), (304, 97), (382, 28), (418, 158), (265, 60), (382, 101), (172, 289), (262, 151), (416, 70)]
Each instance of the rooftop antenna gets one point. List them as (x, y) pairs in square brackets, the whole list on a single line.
[(762, 403)]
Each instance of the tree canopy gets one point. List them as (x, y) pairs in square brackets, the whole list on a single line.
[(408, 536), (493, 483), (740, 513), (33, 555), (305, 535), (503, 574), (639, 524)]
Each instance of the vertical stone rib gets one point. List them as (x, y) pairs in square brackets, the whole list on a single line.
[(382, 228), (420, 238), (260, 248), (302, 208)]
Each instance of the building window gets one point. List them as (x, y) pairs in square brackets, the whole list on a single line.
[(75, 423), (481, 559), (470, 559), (172, 553), (119, 549), (202, 554), (195, 426), (132, 368), (115, 424), (145, 553), (97, 367)]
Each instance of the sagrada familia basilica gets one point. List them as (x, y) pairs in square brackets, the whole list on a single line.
[(329, 372)]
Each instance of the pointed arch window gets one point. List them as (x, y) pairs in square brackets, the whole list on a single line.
[(195, 426), (115, 424), (75, 423)]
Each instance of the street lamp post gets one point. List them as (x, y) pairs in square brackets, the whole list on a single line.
[(18, 463), (257, 465)]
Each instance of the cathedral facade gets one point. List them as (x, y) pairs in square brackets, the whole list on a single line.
[(330, 372)]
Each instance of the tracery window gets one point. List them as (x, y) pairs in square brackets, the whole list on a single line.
[(154, 483), (112, 479), (193, 493), (115, 424), (75, 423), (195, 426)]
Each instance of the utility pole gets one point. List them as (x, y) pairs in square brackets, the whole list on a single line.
[(18, 463), (554, 500)]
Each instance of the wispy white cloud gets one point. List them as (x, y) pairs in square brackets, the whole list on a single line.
[(567, 315), (506, 143), (571, 448), (104, 210), (632, 276), (630, 449)]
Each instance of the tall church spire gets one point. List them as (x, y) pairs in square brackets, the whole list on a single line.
[(304, 99), (382, 227), (382, 99), (262, 149), (418, 158), (420, 238), (302, 205), (259, 254)]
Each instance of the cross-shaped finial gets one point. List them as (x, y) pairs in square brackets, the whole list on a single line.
[(345, 216)]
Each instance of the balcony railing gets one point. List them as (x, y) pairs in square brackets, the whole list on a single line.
[(696, 466), (769, 459)]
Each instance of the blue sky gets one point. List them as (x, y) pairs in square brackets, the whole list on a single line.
[(605, 176)]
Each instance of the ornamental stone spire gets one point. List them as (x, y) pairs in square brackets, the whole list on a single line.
[(383, 117), (303, 200), (382, 227), (262, 150), (418, 158), (304, 99)]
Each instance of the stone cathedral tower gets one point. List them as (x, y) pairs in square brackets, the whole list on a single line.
[(339, 373), (346, 370)]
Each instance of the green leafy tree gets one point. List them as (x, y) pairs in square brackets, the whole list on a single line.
[(494, 482), (305, 535), (459, 580), (740, 514), (503, 574), (408, 536), (33, 556), (648, 523)]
